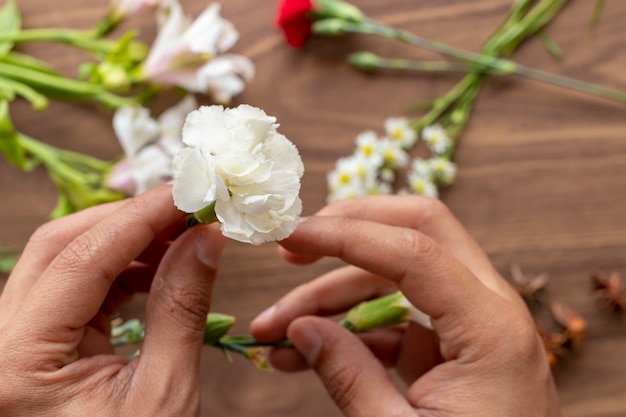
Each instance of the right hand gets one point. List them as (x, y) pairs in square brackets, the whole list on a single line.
[(484, 356)]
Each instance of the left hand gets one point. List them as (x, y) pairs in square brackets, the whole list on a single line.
[(75, 272)]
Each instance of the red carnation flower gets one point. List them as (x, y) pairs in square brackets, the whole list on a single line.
[(294, 21)]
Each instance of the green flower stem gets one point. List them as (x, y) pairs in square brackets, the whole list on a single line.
[(107, 25), (452, 110), (64, 88), (204, 216), (51, 158), (368, 61), (10, 87), (63, 161), (85, 40), (49, 82), (512, 34), (77, 177)]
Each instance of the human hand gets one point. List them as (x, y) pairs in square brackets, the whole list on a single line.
[(75, 272), (483, 356)]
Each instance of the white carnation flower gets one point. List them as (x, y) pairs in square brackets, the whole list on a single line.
[(236, 159)]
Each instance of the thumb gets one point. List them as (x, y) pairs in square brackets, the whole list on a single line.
[(356, 381), (178, 303)]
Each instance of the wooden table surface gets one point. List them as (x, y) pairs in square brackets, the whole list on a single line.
[(542, 171)]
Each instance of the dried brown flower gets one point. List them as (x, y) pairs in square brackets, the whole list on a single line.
[(575, 326), (553, 342), (527, 285), (609, 291)]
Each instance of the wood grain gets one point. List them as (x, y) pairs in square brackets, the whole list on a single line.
[(542, 175)]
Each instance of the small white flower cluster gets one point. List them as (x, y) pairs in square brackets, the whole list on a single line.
[(191, 54), (372, 168)]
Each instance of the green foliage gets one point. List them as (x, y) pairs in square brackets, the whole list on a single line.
[(10, 23)]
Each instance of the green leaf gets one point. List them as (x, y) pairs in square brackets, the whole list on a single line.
[(9, 143), (10, 23)]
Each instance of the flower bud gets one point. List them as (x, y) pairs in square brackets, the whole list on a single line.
[(366, 61), (330, 27), (216, 326), (337, 9), (381, 312)]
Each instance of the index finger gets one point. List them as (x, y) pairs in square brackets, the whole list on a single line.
[(428, 215), (431, 279), (73, 287)]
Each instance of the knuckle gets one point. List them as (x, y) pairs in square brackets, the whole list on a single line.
[(528, 345), (418, 245), (525, 346), (77, 254), (188, 306), (342, 385), (47, 232)]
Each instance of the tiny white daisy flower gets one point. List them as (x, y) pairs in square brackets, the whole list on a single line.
[(387, 175), (436, 138), (343, 192), (422, 186), (394, 155), (443, 170), (422, 167), (368, 147), (348, 171), (378, 188), (399, 130)]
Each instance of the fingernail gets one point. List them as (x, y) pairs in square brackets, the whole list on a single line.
[(302, 219), (209, 245), (266, 315), (308, 342)]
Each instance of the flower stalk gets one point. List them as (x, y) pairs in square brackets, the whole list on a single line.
[(446, 116), (78, 177), (385, 311), (484, 62), (85, 40), (204, 216)]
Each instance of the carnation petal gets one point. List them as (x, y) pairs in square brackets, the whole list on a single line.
[(205, 128), (234, 224), (195, 186), (284, 153)]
